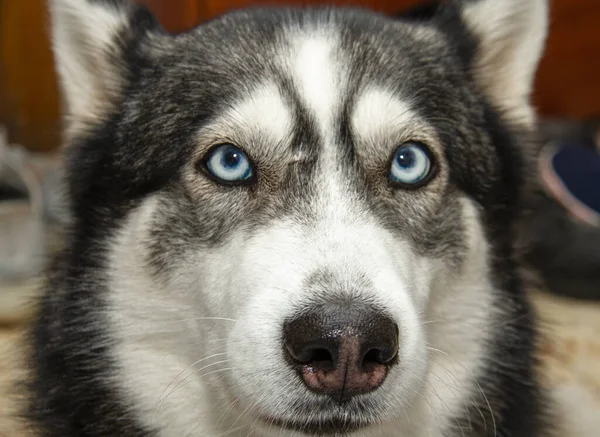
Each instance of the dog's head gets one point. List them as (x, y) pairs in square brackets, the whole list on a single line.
[(298, 219)]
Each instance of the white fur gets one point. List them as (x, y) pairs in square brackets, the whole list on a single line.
[(460, 314), (157, 338), (318, 76), (266, 112), (258, 120), (511, 36), (382, 118), (377, 112), (84, 36)]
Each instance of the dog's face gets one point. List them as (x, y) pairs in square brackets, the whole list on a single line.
[(297, 211)]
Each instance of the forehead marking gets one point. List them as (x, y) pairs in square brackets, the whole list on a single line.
[(318, 77), (378, 112)]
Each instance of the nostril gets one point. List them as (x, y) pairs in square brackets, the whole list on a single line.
[(372, 357), (378, 356), (322, 357), (313, 356), (370, 361)]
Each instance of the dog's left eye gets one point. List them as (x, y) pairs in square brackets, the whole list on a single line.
[(411, 165), (229, 164)]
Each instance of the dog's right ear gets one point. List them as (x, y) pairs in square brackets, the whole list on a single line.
[(89, 38)]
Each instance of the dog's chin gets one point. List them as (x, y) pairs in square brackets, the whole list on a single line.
[(324, 420), (332, 426)]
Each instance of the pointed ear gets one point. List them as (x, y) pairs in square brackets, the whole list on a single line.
[(88, 38), (510, 37)]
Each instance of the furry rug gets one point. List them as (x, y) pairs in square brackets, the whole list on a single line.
[(570, 353)]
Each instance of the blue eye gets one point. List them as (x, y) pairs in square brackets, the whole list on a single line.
[(411, 164), (229, 164)]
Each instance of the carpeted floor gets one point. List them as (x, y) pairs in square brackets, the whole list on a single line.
[(570, 351), (571, 358)]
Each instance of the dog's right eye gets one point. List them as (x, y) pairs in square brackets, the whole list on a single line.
[(228, 164)]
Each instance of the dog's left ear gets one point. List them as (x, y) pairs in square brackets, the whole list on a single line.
[(510, 36)]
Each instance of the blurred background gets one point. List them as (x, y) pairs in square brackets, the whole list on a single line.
[(563, 256)]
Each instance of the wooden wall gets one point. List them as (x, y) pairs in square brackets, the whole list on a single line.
[(28, 95), (568, 83)]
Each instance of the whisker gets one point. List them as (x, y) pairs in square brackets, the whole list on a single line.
[(485, 398), (187, 369), (231, 431), (179, 384), (198, 319)]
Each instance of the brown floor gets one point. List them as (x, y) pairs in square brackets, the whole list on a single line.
[(571, 357)]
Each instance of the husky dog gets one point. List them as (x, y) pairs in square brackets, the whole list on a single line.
[(292, 222)]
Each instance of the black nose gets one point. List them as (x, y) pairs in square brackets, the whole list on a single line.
[(342, 349)]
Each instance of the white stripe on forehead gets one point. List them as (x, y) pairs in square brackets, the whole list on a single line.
[(319, 77)]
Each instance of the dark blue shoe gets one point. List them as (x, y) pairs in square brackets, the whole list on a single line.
[(571, 175), (561, 251)]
